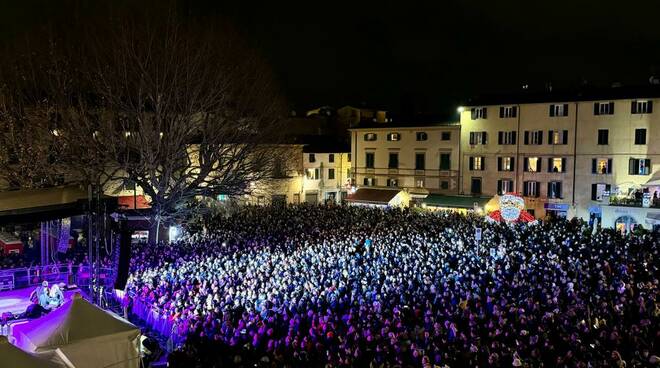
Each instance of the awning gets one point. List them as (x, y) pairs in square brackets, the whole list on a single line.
[(438, 200), (373, 196), (654, 181), (653, 218)]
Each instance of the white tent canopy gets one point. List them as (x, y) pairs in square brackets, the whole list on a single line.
[(82, 335), (13, 357)]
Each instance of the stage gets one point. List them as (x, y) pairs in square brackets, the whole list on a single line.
[(16, 301)]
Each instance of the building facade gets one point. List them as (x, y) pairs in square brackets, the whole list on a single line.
[(420, 159), (567, 155), (327, 175)]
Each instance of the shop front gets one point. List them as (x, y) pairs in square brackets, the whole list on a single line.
[(557, 210)]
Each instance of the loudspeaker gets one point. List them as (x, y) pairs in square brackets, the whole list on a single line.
[(124, 255)]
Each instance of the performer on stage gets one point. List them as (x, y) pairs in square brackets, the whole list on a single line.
[(55, 297)]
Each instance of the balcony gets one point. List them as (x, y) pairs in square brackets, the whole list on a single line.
[(632, 202)]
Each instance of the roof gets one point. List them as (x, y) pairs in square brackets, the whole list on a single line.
[(13, 357), (439, 200), (371, 195), (407, 124), (567, 95)]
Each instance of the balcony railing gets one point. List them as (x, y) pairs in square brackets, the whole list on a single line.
[(632, 202)]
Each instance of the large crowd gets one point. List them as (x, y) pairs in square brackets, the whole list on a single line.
[(314, 286)]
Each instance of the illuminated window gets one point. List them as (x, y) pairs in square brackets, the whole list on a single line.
[(369, 182), (313, 174), (505, 164), (638, 166), (601, 166), (477, 163), (504, 186), (419, 182), (393, 136), (556, 164), (392, 182), (532, 164), (554, 190), (598, 190), (558, 137)]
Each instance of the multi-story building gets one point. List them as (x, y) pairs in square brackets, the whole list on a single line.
[(567, 154), (420, 159), (327, 173)]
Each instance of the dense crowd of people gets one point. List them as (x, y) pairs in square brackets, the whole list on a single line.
[(307, 286)]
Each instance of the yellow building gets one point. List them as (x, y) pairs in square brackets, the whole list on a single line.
[(420, 159), (567, 154), (327, 173)]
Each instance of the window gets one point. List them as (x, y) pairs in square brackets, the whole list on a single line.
[(504, 186), (348, 157), (313, 174), (477, 163), (641, 107), (445, 136), (637, 166), (479, 113), (559, 110), (604, 108), (419, 182), (531, 189), (534, 137), (331, 157), (420, 161), (331, 174), (478, 138), (597, 191), (393, 162), (391, 182), (640, 136), (278, 169), (506, 137), (475, 187), (554, 190), (393, 136), (508, 111), (444, 184), (421, 136), (603, 136), (312, 157), (557, 136), (370, 157), (556, 164), (601, 166), (370, 137), (445, 161), (369, 182), (532, 164), (505, 164)]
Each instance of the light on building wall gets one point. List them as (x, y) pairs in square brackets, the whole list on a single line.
[(174, 233), (460, 109), (55, 132)]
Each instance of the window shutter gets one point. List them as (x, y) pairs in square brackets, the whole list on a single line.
[(594, 190), (549, 136), (633, 107), (612, 108), (564, 139), (365, 181), (549, 189), (472, 138), (538, 189), (550, 164), (513, 137), (526, 164), (596, 108), (483, 163), (525, 191), (650, 106), (647, 166), (594, 165), (538, 165), (501, 111), (558, 188), (563, 164), (552, 110), (499, 186), (526, 137), (484, 138), (565, 109), (540, 137), (471, 165), (631, 166), (514, 111), (499, 164), (473, 113), (609, 166), (500, 137), (485, 113), (513, 163)]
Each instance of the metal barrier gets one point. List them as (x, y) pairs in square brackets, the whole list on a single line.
[(66, 273)]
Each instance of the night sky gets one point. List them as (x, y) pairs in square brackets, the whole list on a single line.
[(422, 56)]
